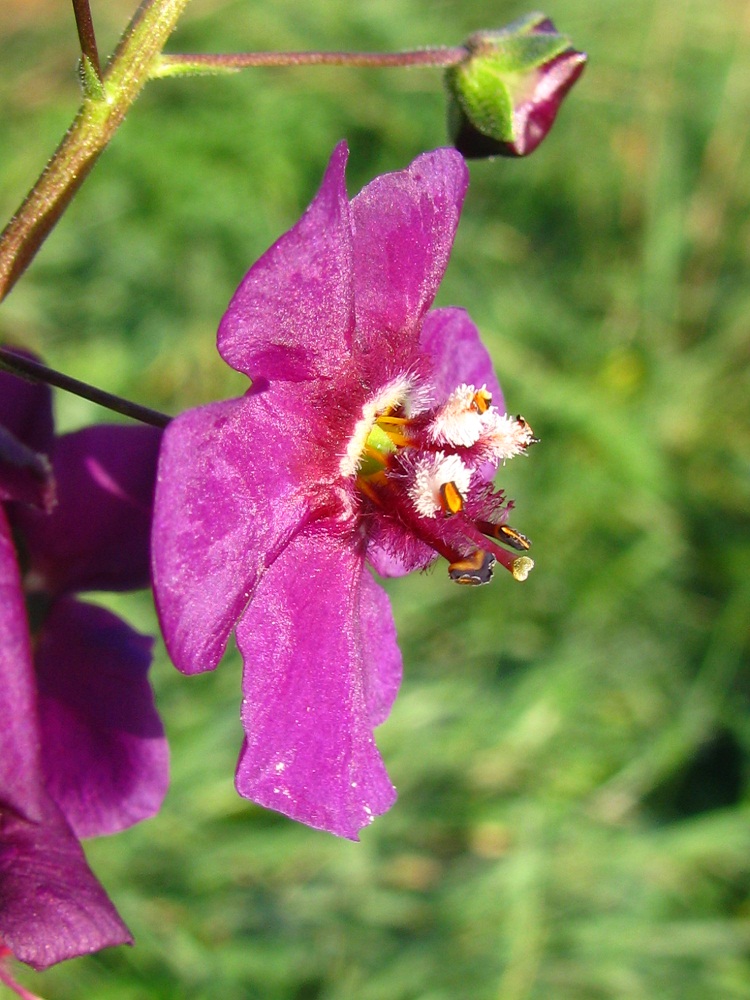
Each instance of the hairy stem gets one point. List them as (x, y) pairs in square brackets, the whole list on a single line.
[(96, 122), (178, 64)]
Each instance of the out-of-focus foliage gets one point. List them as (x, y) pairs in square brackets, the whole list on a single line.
[(571, 753)]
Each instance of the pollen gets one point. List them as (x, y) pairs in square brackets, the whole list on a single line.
[(472, 570), (522, 566), (482, 399), (451, 500)]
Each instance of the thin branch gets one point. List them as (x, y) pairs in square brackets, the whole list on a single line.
[(95, 124), (86, 35), (34, 371), (176, 64)]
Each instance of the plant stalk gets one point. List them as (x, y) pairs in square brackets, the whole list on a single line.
[(97, 121), (181, 64)]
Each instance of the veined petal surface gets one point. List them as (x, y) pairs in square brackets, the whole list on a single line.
[(293, 314), (20, 775), (104, 754), (236, 480), (309, 696), (51, 905), (403, 225), (97, 536), (457, 354)]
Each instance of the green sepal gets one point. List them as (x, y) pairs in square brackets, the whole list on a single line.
[(497, 103), (497, 73), (91, 82)]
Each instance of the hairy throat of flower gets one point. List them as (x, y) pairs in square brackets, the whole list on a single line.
[(392, 444)]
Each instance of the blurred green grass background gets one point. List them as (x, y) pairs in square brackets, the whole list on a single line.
[(572, 753)]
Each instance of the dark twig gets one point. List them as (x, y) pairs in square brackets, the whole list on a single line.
[(34, 371), (86, 35)]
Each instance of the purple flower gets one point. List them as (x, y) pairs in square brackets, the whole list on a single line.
[(368, 435), (82, 750)]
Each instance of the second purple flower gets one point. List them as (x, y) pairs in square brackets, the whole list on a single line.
[(370, 434)]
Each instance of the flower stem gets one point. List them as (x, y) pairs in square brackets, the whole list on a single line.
[(86, 35), (34, 371), (178, 65), (102, 111)]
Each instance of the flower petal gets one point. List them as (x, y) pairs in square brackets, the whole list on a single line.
[(26, 409), (236, 481), (403, 226), (457, 354), (381, 657), (104, 753), (308, 693), (292, 316), (97, 536), (20, 777), (51, 905), (25, 475)]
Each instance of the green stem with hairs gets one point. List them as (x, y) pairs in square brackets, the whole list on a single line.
[(232, 62), (101, 113)]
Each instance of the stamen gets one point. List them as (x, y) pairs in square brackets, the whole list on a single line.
[(388, 399), (524, 427), (451, 500), (518, 566), (482, 400), (506, 436), (473, 570), (365, 486), (390, 425), (374, 453), (504, 533), (431, 473), (458, 422), (387, 419), (399, 440)]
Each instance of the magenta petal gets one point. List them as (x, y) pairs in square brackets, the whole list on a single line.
[(457, 354), (20, 779), (236, 480), (403, 225), (293, 314), (51, 905), (104, 753), (381, 656), (97, 537), (308, 692)]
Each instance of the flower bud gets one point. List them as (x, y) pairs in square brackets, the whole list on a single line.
[(504, 96)]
